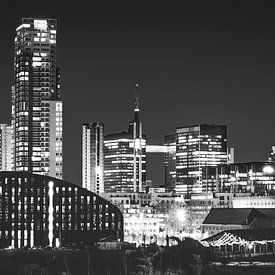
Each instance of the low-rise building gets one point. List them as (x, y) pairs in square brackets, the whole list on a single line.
[(141, 225), (146, 215), (143, 199), (220, 219), (223, 200), (37, 210), (128, 198)]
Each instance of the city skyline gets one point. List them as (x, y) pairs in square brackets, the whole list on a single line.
[(196, 63)]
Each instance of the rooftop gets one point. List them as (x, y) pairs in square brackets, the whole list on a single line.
[(240, 216), (246, 234)]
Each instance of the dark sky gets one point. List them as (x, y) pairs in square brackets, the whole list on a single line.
[(196, 62)]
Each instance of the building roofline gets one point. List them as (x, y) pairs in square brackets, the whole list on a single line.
[(196, 125), (29, 174), (249, 162)]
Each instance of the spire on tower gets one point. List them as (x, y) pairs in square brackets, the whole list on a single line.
[(136, 98), (135, 124)]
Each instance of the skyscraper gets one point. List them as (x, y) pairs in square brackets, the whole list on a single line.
[(125, 158), (5, 147), (170, 162), (93, 157), (135, 129), (36, 99), (199, 150)]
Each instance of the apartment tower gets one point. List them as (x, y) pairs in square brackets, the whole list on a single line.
[(92, 157), (36, 100)]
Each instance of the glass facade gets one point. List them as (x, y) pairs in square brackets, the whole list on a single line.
[(93, 157), (35, 99), (125, 158), (199, 151), (170, 162), (38, 210), (119, 163), (257, 178)]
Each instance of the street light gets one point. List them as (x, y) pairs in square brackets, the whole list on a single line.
[(268, 169)]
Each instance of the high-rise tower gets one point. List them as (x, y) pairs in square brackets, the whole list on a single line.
[(125, 158), (36, 99), (170, 162), (135, 129), (92, 157), (196, 153)]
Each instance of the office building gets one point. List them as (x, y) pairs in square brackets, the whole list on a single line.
[(200, 149), (93, 157), (5, 147), (38, 210), (256, 178), (119, 165), (36, 99), (125, 158), (139, 148), (170, 162), (230, 155)]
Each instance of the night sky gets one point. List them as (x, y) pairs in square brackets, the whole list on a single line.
[(195, 61)]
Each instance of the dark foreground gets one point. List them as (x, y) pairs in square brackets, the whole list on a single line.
[(185, 259)]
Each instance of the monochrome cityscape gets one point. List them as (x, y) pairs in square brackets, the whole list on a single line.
[(215, 213)]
